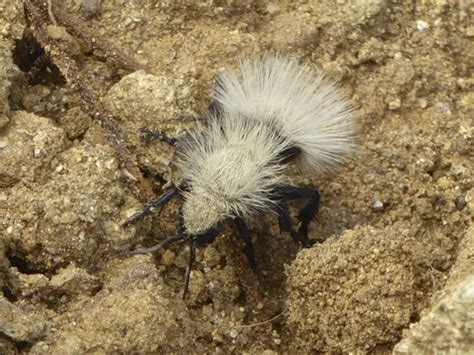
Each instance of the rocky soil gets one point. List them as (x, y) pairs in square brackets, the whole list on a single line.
[(395, 268)]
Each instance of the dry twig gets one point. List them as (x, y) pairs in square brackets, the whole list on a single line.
[(38, 16), (79, 29)]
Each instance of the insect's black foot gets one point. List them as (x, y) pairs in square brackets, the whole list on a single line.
[(248, 246), (308, 243), (305, 216)]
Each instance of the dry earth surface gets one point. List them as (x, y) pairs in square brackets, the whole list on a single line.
[(395, 266)]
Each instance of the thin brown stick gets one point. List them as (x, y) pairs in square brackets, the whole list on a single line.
[(36, 15), (265, 321), (77, 28)]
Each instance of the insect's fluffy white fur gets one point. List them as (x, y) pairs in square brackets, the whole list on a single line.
[(309, 109), (232, 167), (234, 164)]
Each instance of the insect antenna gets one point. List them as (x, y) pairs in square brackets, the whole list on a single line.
[(157, 202)]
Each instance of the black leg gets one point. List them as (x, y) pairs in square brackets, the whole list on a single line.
[(158, 247), (308, 212), (157, 202), (208, 237), (153, 135), (248, 246), (192, 258), (286, 226), (194, 242)]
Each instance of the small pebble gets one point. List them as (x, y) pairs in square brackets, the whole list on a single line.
[(233, 333), (469, 31), (443, 183), (377, 205), (460, 203), (90, 8), (168, 257), (422, 25), (273, 8), (395, 104), (423, 103), (469, 200)]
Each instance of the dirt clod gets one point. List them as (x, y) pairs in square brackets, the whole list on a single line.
[(357, 291), (21, 325), (449, 326), (134, 312)]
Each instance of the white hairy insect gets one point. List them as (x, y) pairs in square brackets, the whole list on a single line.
[(235, 163), (273, 113)]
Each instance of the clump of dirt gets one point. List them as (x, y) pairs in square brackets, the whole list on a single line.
[(393, 222), (8, 73), (449, 324), (34, 141), (358, 290), (80, 199), (134, 312), (160, 103)]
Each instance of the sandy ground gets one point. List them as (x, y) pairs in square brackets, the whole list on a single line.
[(396, 261)]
